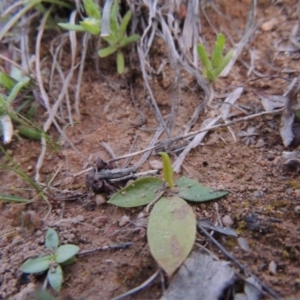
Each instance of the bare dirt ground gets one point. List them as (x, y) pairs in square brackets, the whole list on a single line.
[(264, 198)]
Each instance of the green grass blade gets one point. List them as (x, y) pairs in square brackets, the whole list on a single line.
[(30, 133), (120, 62), (10, 198), (16, 17)]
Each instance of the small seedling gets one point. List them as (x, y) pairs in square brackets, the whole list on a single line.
[(213, 67), (64, 254), (15, 85), (171, 229), (116, 40)]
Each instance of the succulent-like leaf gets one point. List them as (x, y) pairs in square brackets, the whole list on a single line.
[(171, 232), (55, 277), (124, 23), (92, 9), (120, 62), (217, 55), (167, 169), (6, 81), (224, 63), (114, 25), (91, 25), (69, 261), (37, 264), (107, 51), (65, 252), (192, 190), (128, 40), (220, 41), (204, 58), (141, 192), (114, 11), (72, 27), (16, 89), (111, 39), (51, 240)]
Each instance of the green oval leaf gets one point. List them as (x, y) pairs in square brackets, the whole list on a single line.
[(51, 240), (140, 192), (171, 232), (37, 264), (65, 252), (192, 190), (55, 277)]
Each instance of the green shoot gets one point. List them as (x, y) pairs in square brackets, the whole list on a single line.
[(167, 169), (58, 255), (213, 68)]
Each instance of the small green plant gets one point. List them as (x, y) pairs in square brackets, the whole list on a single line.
[(213, 67), (171, 229), (64, 254), (16, 85), (116, 40)]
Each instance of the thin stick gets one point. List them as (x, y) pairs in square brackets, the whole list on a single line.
[(138, 288), (159, 195), (193, 133), (240, 265), (112, 246), (134, 176)]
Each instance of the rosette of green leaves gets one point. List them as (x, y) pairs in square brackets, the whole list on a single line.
[(117, 39), (213, 68), (64, 254)]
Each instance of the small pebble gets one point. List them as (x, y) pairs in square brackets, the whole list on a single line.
[(272, 267), (156, 164), (270, 157), (269, 25), (124, 220), (297, 210), (257, 194), (243, 244), (80, 218), (227, 221), (100, 199), (289, 191)]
